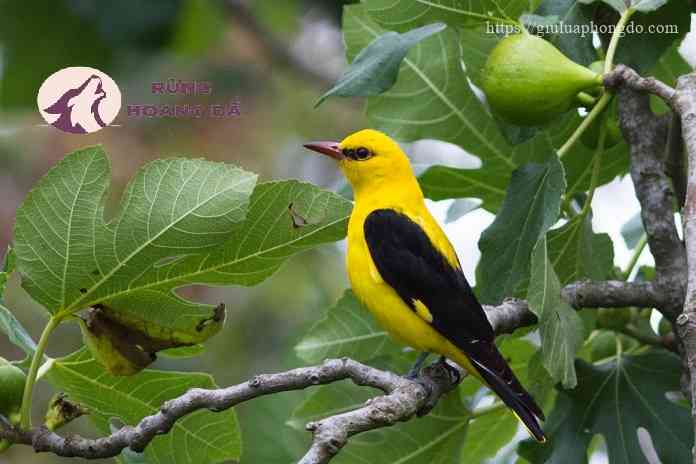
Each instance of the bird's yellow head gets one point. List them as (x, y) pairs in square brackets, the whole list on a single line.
[(369, 159)]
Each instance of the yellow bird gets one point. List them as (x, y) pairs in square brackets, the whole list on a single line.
[(405, 271)]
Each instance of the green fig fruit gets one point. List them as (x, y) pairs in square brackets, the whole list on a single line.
[(613, 318), (12, 380), (529, 82)]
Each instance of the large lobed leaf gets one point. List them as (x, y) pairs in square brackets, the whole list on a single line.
[(560, 326), (181, 222), (201, 437), (348, 329), (531, 206), (615, 399)]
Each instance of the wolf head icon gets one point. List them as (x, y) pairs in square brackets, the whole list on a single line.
[(78, 108)]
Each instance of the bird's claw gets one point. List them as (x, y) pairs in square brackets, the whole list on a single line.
[(453, 372)]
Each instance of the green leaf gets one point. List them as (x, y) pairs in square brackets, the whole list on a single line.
[(17, 334), (668, 69), (181, 222), (614, 162), (442, 183), (647, 5), (348, 329), (671, 65), (200, 437), (577, 253), (406, 14), (375, 69), (539, 383), (618, 5), (476, 44), (9, 325), (70, 258), (614, 399), (572, 15), (487, 435), (560, 326), (632, 231), (183, 352), (531, 206)]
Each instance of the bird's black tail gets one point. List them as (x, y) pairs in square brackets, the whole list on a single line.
[(503, 382)]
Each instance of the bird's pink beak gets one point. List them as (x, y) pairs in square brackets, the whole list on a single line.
[(326, 148)]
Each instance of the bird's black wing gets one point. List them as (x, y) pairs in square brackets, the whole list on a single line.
[(409, 262)]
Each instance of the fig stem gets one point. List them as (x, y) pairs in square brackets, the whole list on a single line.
[(586, 99), (25, 411), (636, 255)]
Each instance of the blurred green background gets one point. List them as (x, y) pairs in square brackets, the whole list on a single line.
[(276, 58)]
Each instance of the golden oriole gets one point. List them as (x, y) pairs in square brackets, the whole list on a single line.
[(404, 269)]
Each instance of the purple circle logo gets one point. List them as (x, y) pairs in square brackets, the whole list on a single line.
[(79, 100)]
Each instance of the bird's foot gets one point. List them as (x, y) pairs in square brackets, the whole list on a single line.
[(414, 372), (453, 372)]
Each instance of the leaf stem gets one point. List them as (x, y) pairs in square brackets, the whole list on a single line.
[(25, 411), (597, 162), (606, 97), (636, 255), (614, 41)]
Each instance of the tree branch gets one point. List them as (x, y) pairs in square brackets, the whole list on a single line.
[(403, 398), (685, 100), (646, 135), (513, 313)]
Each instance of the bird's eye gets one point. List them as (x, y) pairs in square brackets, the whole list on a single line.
[(362, 153)]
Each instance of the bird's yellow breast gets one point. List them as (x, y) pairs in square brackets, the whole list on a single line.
[(406, 325)]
